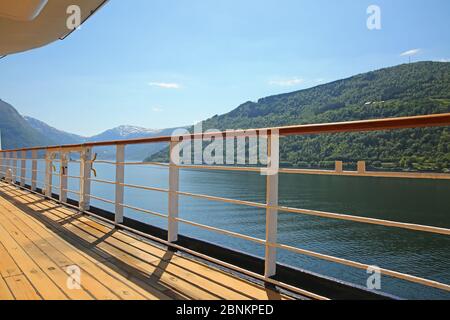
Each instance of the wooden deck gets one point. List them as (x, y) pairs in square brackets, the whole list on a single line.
[(40, 240)]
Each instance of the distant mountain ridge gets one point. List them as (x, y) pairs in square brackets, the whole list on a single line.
[(125, 132), (404, 90), (19, 131), (60, 136), (16, 132)]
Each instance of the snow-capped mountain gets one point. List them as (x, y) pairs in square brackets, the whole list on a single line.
[(131, 130), (124, 132), (133, 152)]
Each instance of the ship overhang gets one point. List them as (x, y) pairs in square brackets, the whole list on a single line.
[(29, 24)]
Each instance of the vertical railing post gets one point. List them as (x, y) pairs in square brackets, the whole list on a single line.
[(48, 173), (33, 170), (120, 179), (273, 154), (174, 183), (63, 168), (2, 164), (23, 168), (338, 167), (14, 173), (361, 167), (8, 170), (85, 180)]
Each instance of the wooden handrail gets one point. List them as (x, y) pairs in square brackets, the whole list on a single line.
[(433, 120)]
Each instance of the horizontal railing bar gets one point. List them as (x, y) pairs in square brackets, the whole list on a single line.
[(102, 199), (129, 185), (323, 214), (143, 163), (71, 191), (130, 163), (22, 159), (433, 120), (102, 181), (381, 174), (220, 168), (73, 177), (18, 167), (144, 210), (102, 161), (395, 274), (385, 223), (38, 171), (220, 199), (14, 159), (376, 174), (222, 231), (135, 186)]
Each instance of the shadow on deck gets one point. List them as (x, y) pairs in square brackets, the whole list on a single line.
[(42, 242)]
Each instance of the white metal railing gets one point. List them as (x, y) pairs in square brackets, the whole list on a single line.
[(9, 167)]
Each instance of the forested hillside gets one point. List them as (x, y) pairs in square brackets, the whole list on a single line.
[(19, 131), (16, 132), (409, 89)]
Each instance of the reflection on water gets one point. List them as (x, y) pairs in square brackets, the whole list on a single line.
[(416, 201)]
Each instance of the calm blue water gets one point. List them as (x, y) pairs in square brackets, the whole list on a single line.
[(416, 201)]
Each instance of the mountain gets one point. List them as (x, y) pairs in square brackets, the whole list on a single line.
[(125, 132), (404, 90), (133, 152), (16, 132), (19, 131), (60, 136)]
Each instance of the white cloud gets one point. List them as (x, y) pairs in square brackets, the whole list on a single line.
[(287, 82), (410, 53), (157, 109), (444, 60), (165, 85)]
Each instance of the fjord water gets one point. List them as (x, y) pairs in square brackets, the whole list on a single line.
[(414, 201)]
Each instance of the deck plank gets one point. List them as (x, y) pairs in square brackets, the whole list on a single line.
[(39, 238), (91, 266), (159, 262), (41, 258), (5, 292), (110, 247), (21, 288), (45, 286), (7, 265)]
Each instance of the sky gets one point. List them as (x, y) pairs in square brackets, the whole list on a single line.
[(167, 63)]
